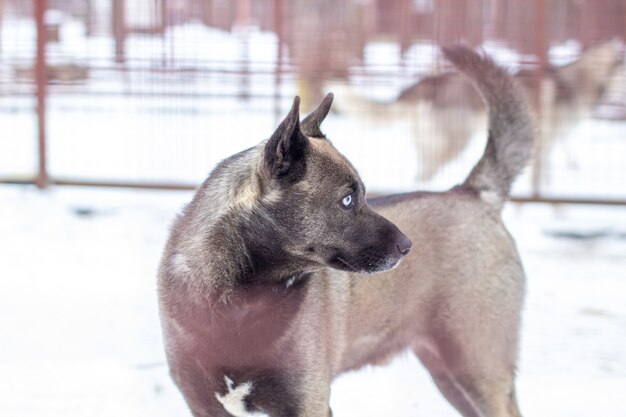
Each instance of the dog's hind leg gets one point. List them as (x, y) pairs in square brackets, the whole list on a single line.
[(472, 393)]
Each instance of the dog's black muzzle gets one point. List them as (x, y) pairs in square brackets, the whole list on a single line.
[(374, 245)]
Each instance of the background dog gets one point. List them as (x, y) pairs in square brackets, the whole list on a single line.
[(445, 111), (266, 288)]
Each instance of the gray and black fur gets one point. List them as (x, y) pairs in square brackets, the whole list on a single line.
[(279, 275)]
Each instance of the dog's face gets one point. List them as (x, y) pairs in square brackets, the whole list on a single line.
[(319, 199)]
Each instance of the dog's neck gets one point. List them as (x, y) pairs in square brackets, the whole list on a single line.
[(226, 238), (236, 253), (268, 261)]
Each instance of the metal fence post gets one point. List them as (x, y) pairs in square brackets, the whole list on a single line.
[(119, 29), (541, 48), (278, 28), (41, 84), (1, 22)]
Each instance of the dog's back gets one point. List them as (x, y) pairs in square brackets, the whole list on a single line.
[(450, 225)]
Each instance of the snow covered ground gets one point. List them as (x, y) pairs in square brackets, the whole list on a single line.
[(79, 330)]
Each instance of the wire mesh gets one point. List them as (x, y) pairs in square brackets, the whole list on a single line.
[(155, 92)]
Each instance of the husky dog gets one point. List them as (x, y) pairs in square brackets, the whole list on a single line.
[(444, 111), (279, 274)]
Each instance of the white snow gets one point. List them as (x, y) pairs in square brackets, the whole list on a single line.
[(80, 335)]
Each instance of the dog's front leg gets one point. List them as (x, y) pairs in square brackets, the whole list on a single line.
[(199, 389)]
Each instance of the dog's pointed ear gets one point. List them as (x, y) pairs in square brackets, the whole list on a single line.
[(285, 151), (311, 123)]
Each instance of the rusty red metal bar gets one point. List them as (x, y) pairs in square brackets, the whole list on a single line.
[(1, 22), (541, 50), (119, 29), (183, 187), (41, 84), (278, 75)]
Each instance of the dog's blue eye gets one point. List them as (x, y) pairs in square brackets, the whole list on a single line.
[(347, 200)]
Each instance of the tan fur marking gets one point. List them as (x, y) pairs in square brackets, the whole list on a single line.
[(248, 194), (273, 196), (178, 264), (248, 191), (325, 147)]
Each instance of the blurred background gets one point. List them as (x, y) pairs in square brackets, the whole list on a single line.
[(151, 92), (113, 111)]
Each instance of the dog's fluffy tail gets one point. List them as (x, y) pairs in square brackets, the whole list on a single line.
[(511, 132)]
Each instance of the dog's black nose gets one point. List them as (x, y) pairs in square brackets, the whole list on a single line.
[(404, 245)]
